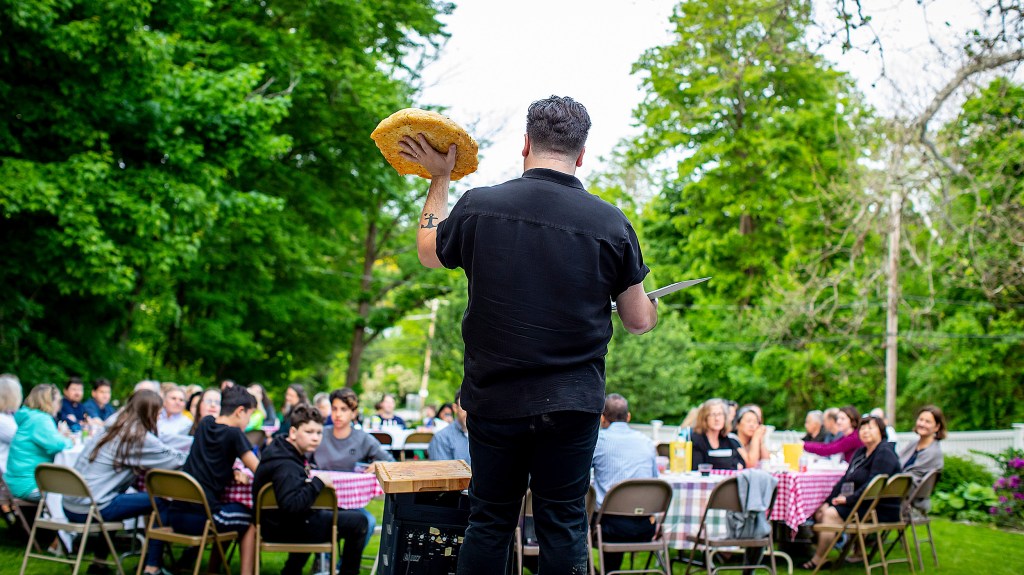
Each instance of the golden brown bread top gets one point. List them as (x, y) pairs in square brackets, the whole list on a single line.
[(440, 132)]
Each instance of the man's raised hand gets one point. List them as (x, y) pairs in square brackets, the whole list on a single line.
[(420, 151)]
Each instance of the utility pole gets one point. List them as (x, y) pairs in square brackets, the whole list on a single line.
[(426, 359), (892, 309)]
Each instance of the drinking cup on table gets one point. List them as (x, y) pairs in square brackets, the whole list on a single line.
[(705, 469)]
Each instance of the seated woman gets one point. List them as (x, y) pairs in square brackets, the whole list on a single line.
[(875, 458), (111, 461), (207, 406), (847, 422), (711, 441), (385, 416), (751, 434), (925, 455), (36, 441)]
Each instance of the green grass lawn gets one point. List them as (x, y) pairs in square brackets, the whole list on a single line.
[(962, 548)]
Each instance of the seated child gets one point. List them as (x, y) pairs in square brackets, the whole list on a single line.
[(290, 466), (218, 442)]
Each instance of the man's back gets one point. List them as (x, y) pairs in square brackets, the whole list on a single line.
[(544, 258), (622, 453)]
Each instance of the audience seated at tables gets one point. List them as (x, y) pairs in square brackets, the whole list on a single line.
[(172, 419), (621, 453), (875, 457), (72, 412), (847, 422), (111, 460), (832, 425), (344, 447), (711, 441), (925, 455), (814, 424), (10, 401), (385, 416), (284, 465), (98, 407), (431, 421), (218, 442), (452, 442), (263, 404), (890, 431), (750, 432), (294, 395), (36, 441), (209, 405)]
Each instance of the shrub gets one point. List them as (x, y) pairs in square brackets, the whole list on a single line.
[(958, 471), (1008, 509), (967, 502)]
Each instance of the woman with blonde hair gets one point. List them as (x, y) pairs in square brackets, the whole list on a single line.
[(711, 441), (36, 441)]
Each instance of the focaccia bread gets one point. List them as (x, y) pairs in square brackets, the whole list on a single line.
[(440, 132)]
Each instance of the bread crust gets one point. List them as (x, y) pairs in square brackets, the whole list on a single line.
[(440, 132)]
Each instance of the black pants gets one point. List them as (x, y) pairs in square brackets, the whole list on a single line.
[(619, 529), (550, 453), (352, 528)]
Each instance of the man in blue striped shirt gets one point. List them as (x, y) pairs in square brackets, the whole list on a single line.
[(621, 454)]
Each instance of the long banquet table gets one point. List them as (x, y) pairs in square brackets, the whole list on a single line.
[(800, 494), (354, 490)]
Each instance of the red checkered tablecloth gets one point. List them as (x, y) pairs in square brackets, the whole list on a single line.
[(354, 490), (800, 494)]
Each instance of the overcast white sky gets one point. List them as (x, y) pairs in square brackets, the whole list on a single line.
[(502, 55)]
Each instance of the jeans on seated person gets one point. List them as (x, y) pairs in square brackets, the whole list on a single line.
[(128, 506), (551, 453), (352, 528)]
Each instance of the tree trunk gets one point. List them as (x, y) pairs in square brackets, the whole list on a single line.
[(355, 355)]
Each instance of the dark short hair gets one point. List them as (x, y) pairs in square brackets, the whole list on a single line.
[(346, 396), (304, 413), (940, 419), (616, 408), (101, 382), (74, 381), (558, 124), (234, 397)]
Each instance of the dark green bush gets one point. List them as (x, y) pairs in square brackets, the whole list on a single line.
[(959, 471)]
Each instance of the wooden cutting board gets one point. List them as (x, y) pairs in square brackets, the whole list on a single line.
[(415, 476)]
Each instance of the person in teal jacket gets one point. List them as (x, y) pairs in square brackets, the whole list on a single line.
[(36, 441)]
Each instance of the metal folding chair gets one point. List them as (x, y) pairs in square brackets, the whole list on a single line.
[(62, 480), (726, 497), (916, 517), (267, 500), (16, 505), (180, 486), (637, 498), (858, 523), (419, 440), (899, 487)]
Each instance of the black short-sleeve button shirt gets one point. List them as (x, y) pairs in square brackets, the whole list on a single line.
[(544, 259)]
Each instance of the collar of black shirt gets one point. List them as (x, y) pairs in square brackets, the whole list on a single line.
[(554, 176)]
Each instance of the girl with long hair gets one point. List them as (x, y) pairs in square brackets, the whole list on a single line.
[(112, 460)]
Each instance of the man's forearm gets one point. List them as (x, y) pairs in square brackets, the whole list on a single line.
[(435, 210)]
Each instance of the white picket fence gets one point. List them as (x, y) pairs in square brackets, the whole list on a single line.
[(959, 443)]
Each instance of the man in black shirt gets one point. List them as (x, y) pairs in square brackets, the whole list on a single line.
[(544, 260)]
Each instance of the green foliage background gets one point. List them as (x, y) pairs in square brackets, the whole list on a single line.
[(188, 192)]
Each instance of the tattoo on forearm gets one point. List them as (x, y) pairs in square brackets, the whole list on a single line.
[(429, 218)]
